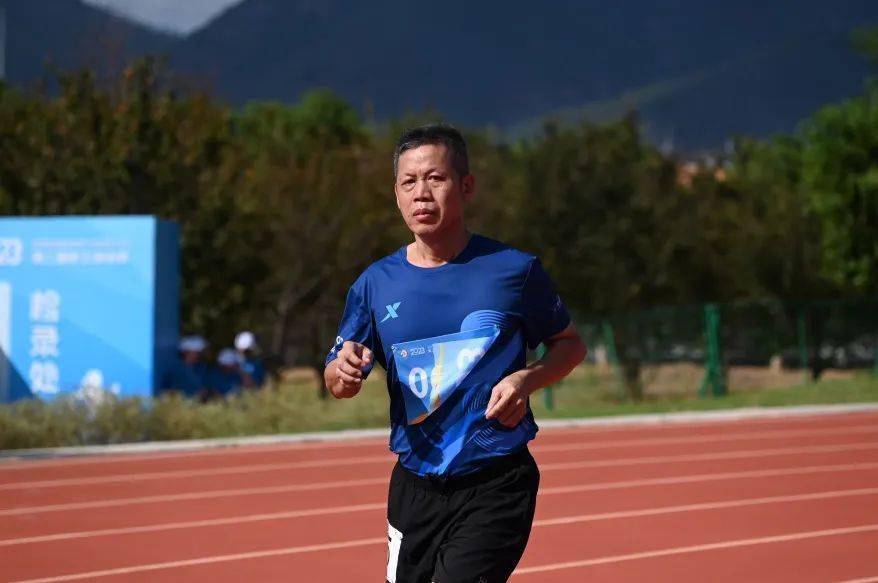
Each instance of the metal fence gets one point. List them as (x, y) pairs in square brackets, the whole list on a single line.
[(721, 344)]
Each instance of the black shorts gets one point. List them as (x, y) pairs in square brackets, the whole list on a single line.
[(472, 528)]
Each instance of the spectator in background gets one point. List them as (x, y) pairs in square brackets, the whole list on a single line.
[(189, 373), (226, 377), (251, 368)]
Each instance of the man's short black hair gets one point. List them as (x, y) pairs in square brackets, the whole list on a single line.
[(436, 133)]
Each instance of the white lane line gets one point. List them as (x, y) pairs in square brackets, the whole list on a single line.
[(705, 506), (786, 415), (380, 505), (86, 459), (723, 455), (740, 454), (743, 436), (540, 523), (698, 548), (195, 496), (694, 478), (207, 560), (350, 439), (864, 580), (243, 469), (198, 523), (389, 457)]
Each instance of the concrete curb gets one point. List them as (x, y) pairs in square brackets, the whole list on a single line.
[(713, 416), (350, 434)]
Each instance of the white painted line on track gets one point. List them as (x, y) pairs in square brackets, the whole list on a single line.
[(194, 496), (864, 580), (705, 506), (540, 523), (208, 560), (86, 459), (323, 438), (187, 446), (764, 423), (297, 446), (704, 417), (721, 438), (698, 548), (720, 455), (537, 446), (696, 478), (546, 467), (242, 469), (197, 523), (606, 444), (381, 505)]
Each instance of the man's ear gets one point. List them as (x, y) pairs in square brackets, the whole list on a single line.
[(468, 187), (396, 196)]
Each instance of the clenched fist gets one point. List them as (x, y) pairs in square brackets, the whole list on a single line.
[(344, 375), (508, 402)]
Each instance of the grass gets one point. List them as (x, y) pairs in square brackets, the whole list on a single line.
[(296, 407), (579, 399)]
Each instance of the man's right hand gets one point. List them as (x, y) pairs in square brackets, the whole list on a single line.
[(344, 375)]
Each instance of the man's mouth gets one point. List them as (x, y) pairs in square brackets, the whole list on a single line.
[(423, 212)]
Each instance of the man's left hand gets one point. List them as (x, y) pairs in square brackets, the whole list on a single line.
[(508, 402)]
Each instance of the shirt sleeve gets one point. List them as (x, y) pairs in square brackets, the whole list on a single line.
[(356, 325), (543, 311)]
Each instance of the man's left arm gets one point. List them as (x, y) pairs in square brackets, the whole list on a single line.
[(508, 402)]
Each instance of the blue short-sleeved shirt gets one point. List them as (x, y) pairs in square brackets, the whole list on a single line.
[(446, 335), (224, 382), (186, 378), (254, 368)]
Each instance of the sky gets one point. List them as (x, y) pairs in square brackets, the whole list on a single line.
[(179, 16)]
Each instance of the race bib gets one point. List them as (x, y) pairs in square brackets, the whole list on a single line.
[(431, 369)]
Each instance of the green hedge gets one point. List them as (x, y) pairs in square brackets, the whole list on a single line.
[(298, 407), (292, 408)]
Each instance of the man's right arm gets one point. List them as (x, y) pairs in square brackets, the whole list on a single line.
[(344, 374)]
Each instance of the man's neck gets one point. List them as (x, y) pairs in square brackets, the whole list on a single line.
[(436, 251)]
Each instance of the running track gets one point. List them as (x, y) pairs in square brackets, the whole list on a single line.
[(792, 499)]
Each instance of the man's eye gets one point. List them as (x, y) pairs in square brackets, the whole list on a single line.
[(436, 177)]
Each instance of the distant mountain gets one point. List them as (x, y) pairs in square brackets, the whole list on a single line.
[(69, 33), (699, 71)]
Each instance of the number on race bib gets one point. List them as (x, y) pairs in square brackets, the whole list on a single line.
[(467, 356), (419, 376)]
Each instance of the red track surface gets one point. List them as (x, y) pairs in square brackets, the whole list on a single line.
[(758, 500)]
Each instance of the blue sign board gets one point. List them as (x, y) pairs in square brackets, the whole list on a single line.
[(86, 304)]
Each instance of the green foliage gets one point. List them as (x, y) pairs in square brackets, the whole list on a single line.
[(321, 184), (281, 206), (139, 148), (840, 176), (297, 408), (601, 207), (865, 41), (33, 423), (584, 398)]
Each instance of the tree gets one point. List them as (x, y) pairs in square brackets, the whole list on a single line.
[(601, 207), (324, 191), (134, 146), (840, 177), (864, 39)]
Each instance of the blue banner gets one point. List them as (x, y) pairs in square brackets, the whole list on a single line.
[(86, 304), (431, 369)]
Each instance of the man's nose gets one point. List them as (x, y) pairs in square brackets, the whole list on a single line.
[(422, 190)]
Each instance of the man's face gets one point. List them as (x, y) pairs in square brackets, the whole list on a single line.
[(429, 193)]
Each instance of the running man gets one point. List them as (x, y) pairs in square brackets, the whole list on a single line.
[(449, 317)]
